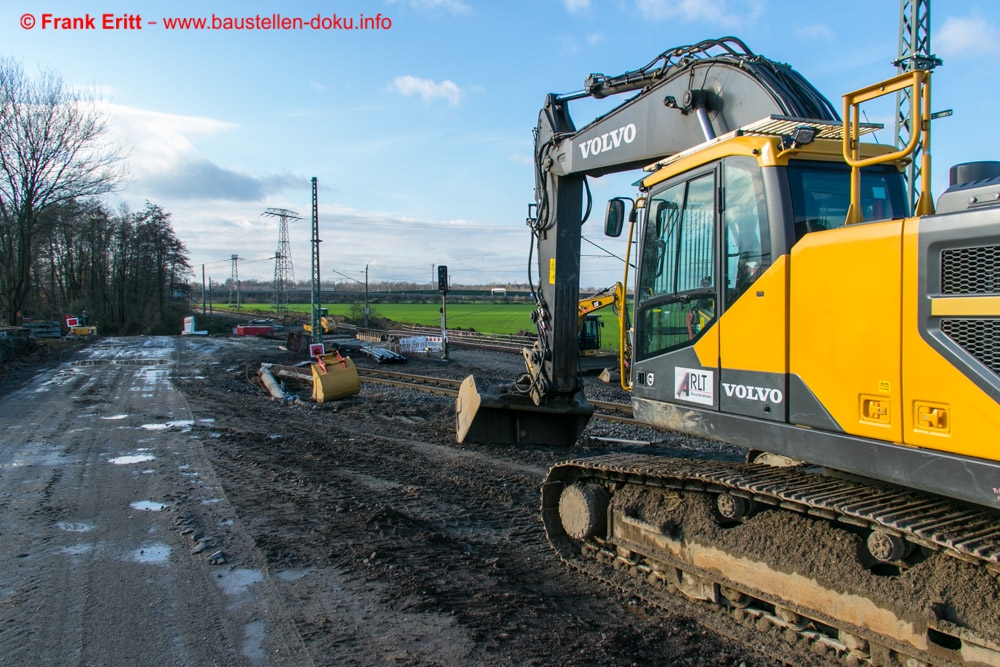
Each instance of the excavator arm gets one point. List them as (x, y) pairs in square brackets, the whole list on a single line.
[(686, 96)]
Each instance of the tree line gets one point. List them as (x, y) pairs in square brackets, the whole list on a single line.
[(126, 269), (62, 251)]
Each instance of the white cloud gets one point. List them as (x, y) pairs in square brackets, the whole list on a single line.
[(456, 7), (961, 36), (428, 89), (159, 141), (318, 87), (164, 161), (595, 38), (729, 13), (816, 31), (574, 6)]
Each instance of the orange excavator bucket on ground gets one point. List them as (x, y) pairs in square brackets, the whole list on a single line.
[(334, 377)]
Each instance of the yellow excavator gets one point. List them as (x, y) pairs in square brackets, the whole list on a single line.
[(788, 301), (590, 325), (326, 321)]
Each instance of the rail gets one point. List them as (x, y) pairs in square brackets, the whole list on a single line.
[(620, 412)]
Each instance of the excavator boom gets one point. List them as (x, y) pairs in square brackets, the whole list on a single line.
[(688, 95)]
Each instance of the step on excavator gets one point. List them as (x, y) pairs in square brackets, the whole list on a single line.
[(789, 301)]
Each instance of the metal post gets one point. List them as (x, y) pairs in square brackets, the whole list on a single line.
[(444, 326), (317, 330), (204, 295), (914, 53), (366, 296)]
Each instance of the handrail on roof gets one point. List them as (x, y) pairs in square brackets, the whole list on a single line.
[(920, 81)]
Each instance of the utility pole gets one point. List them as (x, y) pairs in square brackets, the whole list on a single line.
[(284, 276), (914, 53), (204, 294), (366, 296), (234, 282), (317, 329)]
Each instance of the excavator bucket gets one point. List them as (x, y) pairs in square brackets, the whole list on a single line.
[(334, 377), (498, 415)]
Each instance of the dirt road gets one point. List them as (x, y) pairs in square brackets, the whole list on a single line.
[(97, 456), (357, 533)]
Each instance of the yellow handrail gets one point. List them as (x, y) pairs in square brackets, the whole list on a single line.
[(624, 349), (920, 132)]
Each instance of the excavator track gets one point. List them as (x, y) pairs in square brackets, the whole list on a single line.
[(861, 574)]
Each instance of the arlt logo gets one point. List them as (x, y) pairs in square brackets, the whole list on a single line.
[(694, 385)]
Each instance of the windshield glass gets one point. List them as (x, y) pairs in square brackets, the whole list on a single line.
[(821, 193)]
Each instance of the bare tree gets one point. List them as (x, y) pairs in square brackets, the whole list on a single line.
[(53, 148)]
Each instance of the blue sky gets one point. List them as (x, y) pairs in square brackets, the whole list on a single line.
[(420, 134)]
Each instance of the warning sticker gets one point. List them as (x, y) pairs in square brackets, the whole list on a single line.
[(696, 386)]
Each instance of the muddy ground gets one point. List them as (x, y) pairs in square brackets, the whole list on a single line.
[(394, 545), (382, 541)]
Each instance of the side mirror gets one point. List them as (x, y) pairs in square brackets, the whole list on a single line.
[(614, 218)]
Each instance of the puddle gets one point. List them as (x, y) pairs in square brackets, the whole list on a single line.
[(183, 424), (131, 458), (294, 575), (115, 417), (74, 527), (121, 362), (148, 471), (77, 549), (211, 501), (236, 582), (148, 506), (154, 554), (254, 634)]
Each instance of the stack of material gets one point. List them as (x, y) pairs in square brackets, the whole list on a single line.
[(382, 355)]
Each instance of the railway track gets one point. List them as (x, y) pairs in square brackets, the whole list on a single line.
[(620, 412)]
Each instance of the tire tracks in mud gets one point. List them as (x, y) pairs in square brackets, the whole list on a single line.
[(392, 544)]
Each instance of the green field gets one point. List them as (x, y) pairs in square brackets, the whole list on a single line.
[(502, 318)]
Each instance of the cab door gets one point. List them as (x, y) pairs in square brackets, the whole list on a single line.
[(676, 340), (753, 330)]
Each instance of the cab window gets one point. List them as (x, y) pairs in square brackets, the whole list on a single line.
[(821, 194), (748, 246), (677, 275)]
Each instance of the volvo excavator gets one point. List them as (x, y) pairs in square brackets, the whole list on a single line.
[(788, 301)]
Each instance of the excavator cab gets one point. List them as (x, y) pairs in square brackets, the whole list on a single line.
[(590, 335)]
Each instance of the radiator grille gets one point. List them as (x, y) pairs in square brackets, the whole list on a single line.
[(980, 338), (971, 270)]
